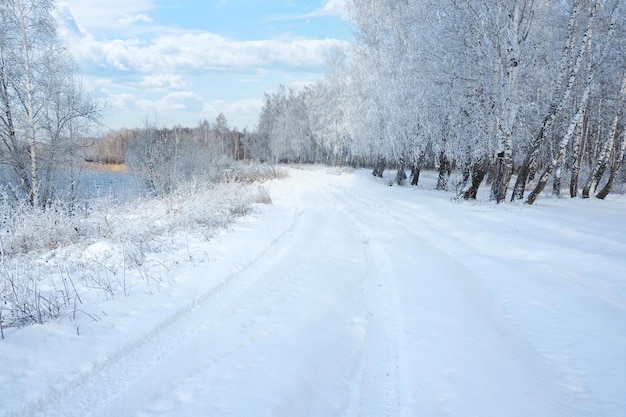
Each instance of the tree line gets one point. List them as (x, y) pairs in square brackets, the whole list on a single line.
[(518, 94), (165, 157)]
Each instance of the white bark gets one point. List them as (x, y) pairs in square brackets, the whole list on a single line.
[(509, 57), (609, 144), (565, 140), (40, 98), (560, 99), (30, 103)]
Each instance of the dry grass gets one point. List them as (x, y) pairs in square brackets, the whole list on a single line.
[(43, 269)]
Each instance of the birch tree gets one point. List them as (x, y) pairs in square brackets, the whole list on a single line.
[(568, 71), (587, 87), (514, 23), (40, 98), (609, 148), (460, 85), (27, 37)]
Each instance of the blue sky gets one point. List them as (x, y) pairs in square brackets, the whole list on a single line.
[(178, 62)]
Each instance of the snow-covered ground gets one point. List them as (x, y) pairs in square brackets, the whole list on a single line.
[(347, 297)]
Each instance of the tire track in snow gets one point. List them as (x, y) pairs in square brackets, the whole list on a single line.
[(488, 329), (92, 390), (381, 376), (378, 375)]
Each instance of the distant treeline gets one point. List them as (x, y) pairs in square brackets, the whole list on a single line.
[(211, 139)]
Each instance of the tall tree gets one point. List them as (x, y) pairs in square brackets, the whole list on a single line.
[(609, 148), (576, 50), (587, 86), (39, 95), (459, 85)]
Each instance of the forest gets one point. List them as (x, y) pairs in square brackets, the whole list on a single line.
[(515, 94)]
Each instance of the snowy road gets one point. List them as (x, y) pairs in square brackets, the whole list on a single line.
[(350, 298)]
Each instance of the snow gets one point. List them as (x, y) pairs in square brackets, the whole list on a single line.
[(347, 297)]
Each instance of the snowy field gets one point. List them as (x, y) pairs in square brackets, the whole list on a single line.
[(347, 297)]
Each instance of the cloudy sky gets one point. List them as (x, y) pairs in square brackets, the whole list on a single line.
[(182, 61)]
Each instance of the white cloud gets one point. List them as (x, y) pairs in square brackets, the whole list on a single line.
[(335, 7), (202, 52), (331, 7), (160, 82), (176, 101), (128, 20), (238, 113), (116, 102), (254, 76), (183, 51), (248, 106), (137, 73), (99, 14)]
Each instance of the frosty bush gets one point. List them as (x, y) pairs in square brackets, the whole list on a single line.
[(26, 228), (251, 172), (98, 245), (27, 296)]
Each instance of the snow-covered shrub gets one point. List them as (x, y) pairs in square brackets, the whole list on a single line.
[(225, 169), (26, 229), (106, 246), (27, 296), (252, 172)]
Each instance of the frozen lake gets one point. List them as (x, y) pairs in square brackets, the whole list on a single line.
[(119, 185)]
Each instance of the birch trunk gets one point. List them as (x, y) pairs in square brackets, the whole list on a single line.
[(608, 146), (559, 98), (576, 156), (33, 31), (556, 181), (32, 142), (9, 137), (615, 168), (445, 168), (379, 167), (476, 176), (415, 174), (401, 174), (582, 133), (575, 120), (509, 58), (416, 168)]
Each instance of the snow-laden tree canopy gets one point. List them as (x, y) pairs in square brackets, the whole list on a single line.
[(488, 90)]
